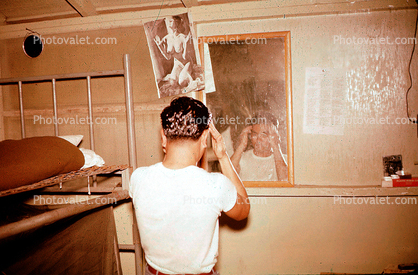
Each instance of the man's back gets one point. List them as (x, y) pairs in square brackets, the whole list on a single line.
[(178, 204), (177, 213)]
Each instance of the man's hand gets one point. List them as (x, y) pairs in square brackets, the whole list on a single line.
[(243, 138), (218, 144), (274, 137), (242, 145)]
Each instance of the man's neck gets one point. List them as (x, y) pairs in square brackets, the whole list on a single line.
[(181, 154), (262, 153)]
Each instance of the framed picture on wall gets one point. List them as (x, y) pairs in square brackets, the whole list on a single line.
[(172, 48), (251, 103)]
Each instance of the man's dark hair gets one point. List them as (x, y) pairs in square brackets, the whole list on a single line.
[(185, 118)]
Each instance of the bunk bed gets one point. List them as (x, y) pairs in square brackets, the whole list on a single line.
[(85, 239)]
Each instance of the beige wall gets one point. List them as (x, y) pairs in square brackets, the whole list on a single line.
[(315, 234), (106, 92), (376, 78), (297, 231)]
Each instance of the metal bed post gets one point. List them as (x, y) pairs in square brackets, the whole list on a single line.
[(91, 129), (55, 109), (90, 123), (139, 260), (117, 253), (130, 122), (22, 116), (130, 115)]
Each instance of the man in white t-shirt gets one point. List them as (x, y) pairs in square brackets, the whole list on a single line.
[(177, 204)]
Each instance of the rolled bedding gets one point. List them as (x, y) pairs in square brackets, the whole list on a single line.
[(30, 160)]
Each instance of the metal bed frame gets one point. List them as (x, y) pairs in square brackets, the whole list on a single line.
[(55, 215)]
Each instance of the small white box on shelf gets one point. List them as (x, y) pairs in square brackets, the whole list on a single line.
[(387, 182)]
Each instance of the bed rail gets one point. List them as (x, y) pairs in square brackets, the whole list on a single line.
[(61, 213)]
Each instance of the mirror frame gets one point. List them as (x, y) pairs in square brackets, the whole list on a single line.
[(235, 39), (30, 47)]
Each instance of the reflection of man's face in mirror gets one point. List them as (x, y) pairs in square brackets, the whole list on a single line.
[(259, 137)]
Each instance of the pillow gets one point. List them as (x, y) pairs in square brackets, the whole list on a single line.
[(91, 158), (73, 139), (30, 160)]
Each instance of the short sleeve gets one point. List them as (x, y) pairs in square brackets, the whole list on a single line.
[(134, 181), (228, 193)]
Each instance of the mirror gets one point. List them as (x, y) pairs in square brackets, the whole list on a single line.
[(32, 45), (251, 104)]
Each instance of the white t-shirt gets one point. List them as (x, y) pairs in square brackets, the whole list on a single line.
[(177, 213), (255, 168)]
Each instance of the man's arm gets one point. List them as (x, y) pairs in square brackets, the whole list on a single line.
[(281, 165), (241, 208)]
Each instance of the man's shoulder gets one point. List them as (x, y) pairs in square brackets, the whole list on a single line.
[(218, 179), (199, 170), (145, 169), (197, 173)]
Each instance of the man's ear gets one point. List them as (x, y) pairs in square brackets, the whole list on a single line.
[(163, 140), (204, 138)]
